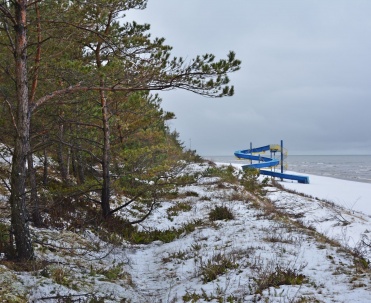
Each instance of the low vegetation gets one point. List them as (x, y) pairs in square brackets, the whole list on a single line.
[(216, 266), (86, 242), (220, 213), (278, 276)]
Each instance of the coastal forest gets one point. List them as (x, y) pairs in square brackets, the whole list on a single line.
[(83, 132)]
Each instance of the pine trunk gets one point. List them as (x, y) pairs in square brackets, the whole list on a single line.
[(19, 217)]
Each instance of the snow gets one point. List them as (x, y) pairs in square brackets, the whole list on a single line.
[(317, 230), (352, 195)]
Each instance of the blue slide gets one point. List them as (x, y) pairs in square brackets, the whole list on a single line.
[(264, 162)]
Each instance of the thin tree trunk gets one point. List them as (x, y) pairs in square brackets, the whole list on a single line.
[(80, 168), (68, 162), (36, 217), (79, 161), (45, 170), (61, 162), (73, 157), (105, 197), (17, 201), (105, 158)]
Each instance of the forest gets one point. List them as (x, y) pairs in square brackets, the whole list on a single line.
[(82, 126)]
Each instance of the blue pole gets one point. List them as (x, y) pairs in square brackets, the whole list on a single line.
[(250, 151), (281, 156)]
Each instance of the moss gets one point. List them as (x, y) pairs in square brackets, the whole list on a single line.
[(11, 289)]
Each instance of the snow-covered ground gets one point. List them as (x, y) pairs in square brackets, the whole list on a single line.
[(352, 195), (315, 235)]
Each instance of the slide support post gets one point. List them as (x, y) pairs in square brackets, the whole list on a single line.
[(250, 151), (281, 156)]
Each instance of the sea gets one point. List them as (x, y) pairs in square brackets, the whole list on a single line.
[(354, 168)]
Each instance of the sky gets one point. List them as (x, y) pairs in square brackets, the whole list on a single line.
[(305, 76)]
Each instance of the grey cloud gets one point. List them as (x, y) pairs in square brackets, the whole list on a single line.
[(305, 77)]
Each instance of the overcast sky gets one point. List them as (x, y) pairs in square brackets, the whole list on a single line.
[(305, 76)]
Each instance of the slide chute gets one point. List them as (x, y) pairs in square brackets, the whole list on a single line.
[(254, 154)]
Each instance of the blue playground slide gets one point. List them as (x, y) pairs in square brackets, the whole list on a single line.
[(265, 162)]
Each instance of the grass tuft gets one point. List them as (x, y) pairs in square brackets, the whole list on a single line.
[(277, 277), (218, 265)]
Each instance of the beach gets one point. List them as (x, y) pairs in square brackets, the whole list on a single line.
[(340, 179), (349, 194)]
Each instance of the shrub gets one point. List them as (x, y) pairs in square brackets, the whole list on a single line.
[(113, 273), (60, 276), (278, 276), (225, 173), (4, 237), (251, 183), (216, 266), (6, 246), (133, 235), (178, 207), (220, 213), (191, 193)]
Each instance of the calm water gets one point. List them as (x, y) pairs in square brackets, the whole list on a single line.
[(355, 168)]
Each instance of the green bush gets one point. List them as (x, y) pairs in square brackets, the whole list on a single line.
[(250, 182), (220, 213), (168, 235), (225, 173)]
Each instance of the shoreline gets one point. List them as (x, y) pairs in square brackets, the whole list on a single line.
[(350, 194), (366, 181)]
